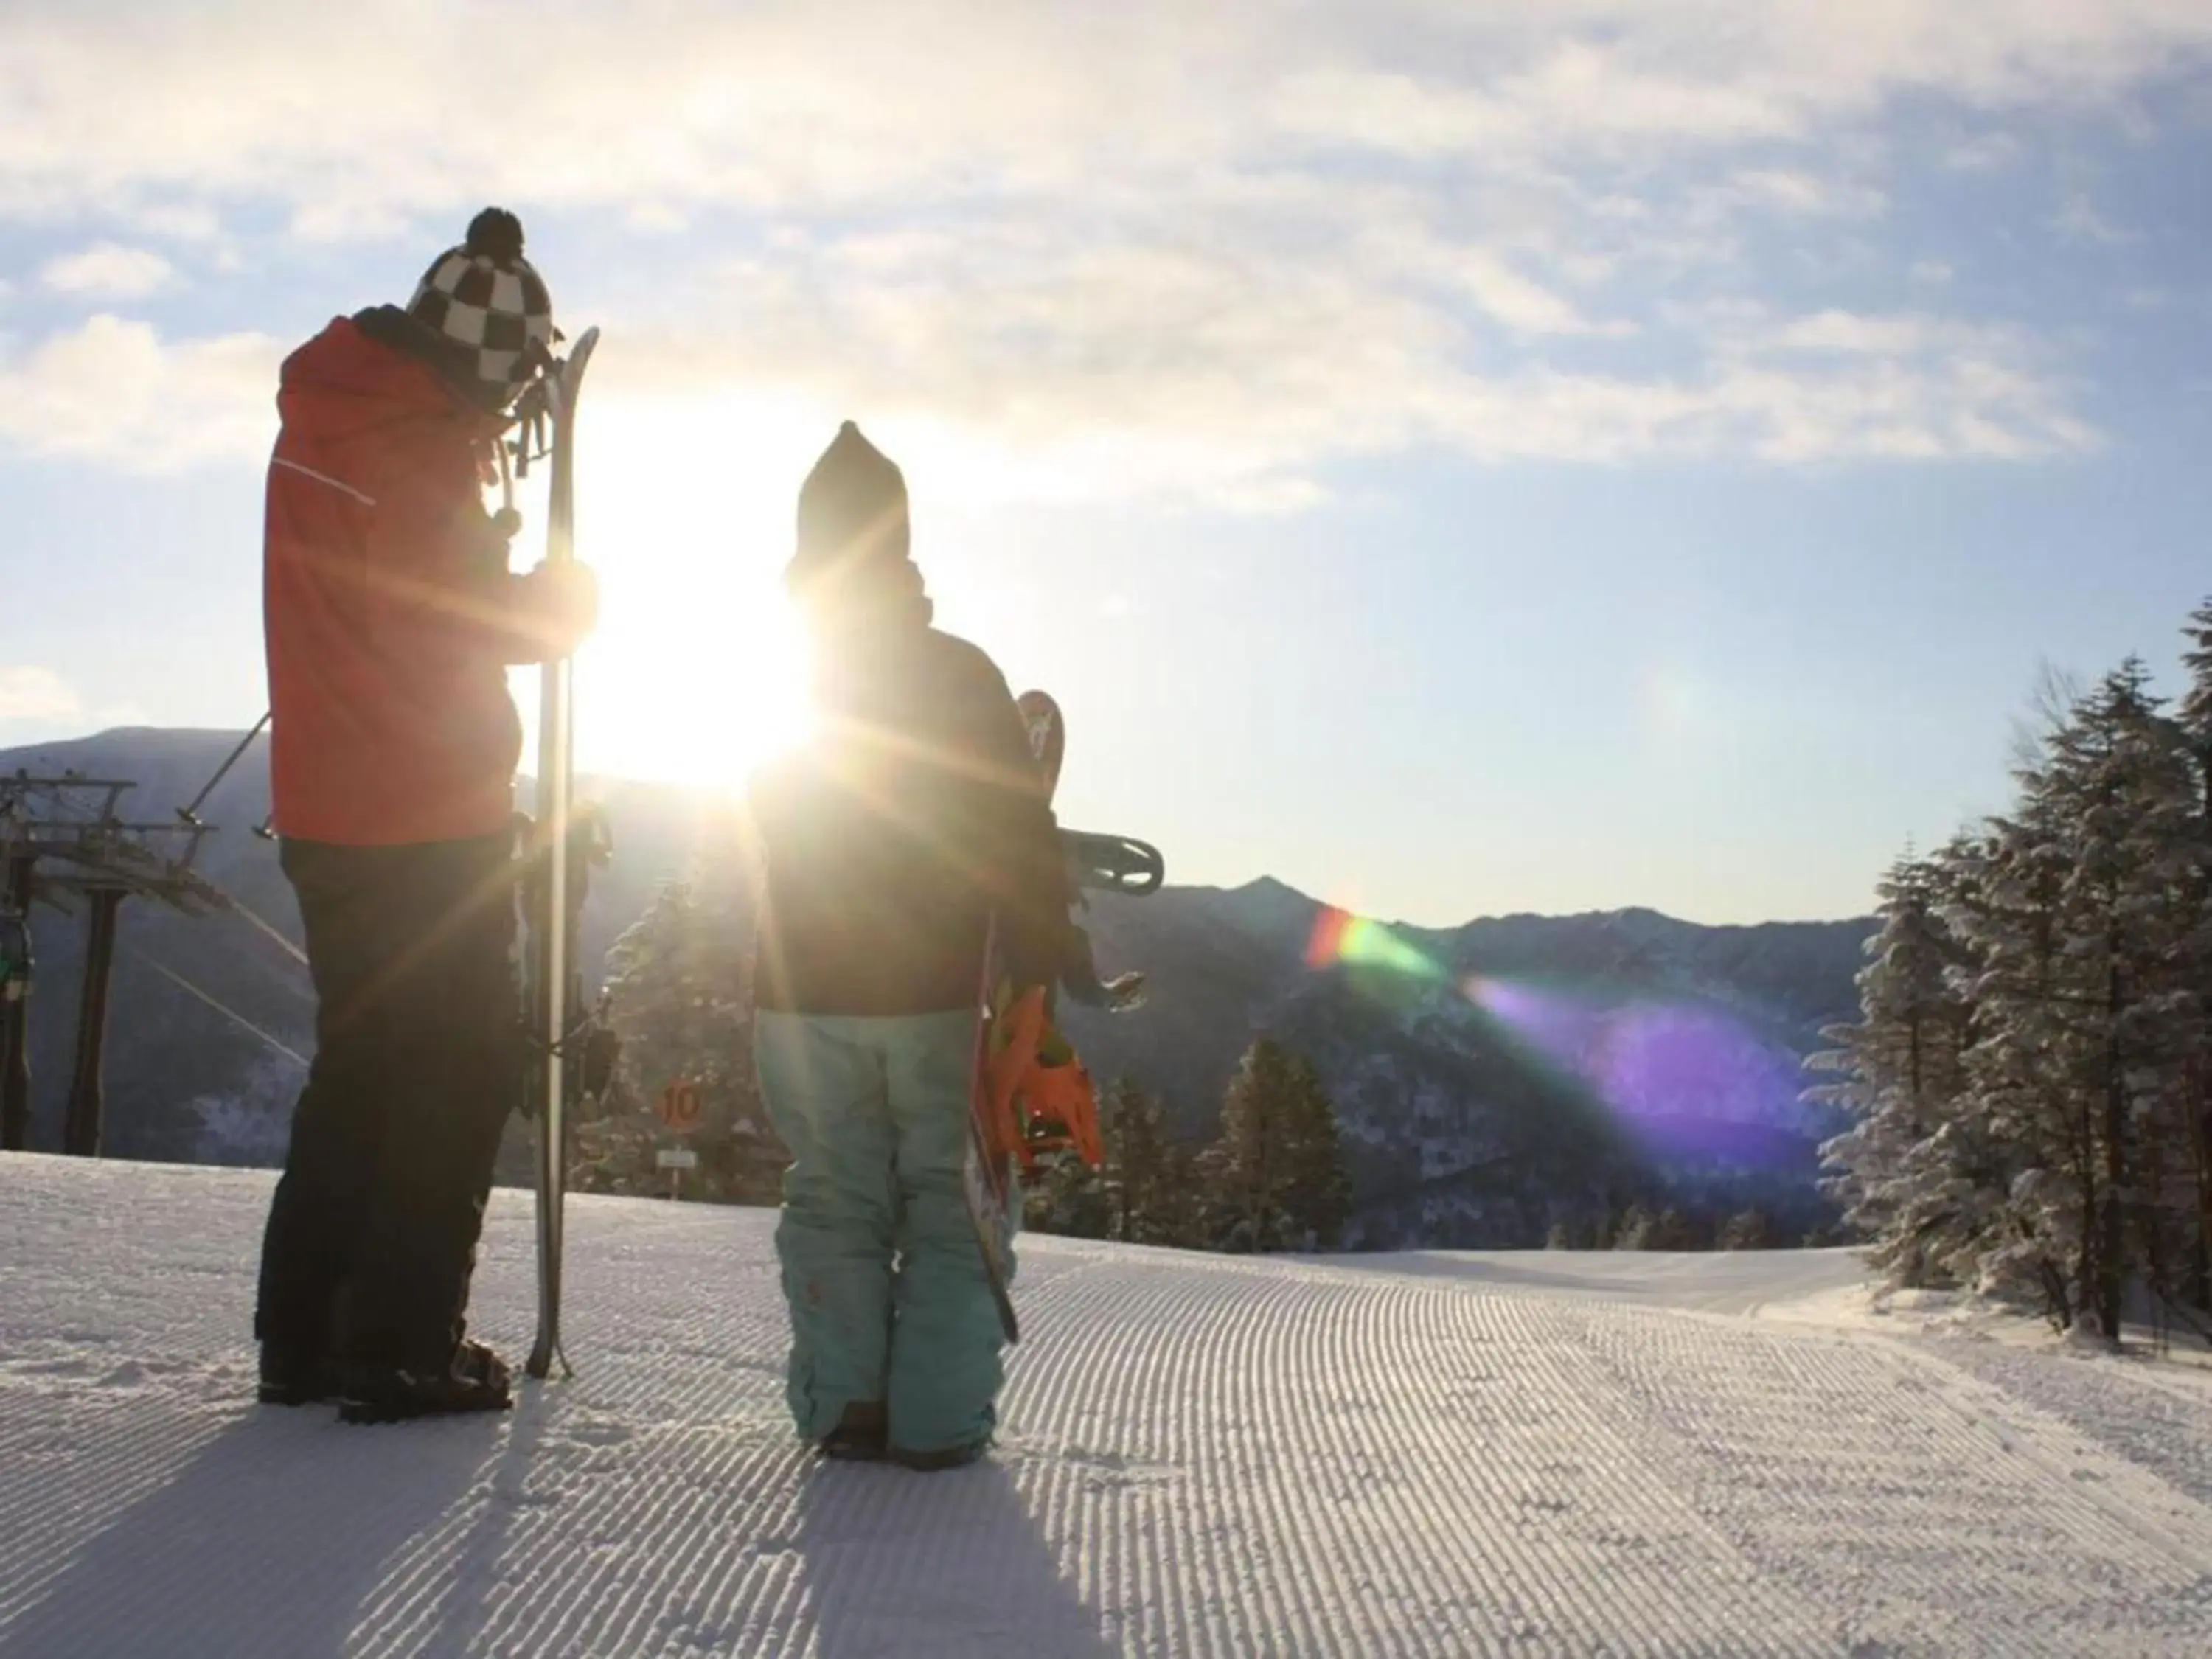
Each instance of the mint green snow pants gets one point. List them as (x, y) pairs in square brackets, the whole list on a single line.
[(881, 1273)]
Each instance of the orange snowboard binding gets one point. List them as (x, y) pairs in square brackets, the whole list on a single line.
[(1041, 1099)]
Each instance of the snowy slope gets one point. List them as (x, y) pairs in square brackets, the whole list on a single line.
[(1422, 1455)]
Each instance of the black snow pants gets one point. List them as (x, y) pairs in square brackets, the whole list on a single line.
[(372, 1235)]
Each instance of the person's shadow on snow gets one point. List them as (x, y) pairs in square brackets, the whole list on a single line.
[(271, 1538), (949, 1563)]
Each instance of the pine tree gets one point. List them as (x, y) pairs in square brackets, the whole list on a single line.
[(2192, 1107), (1634, 1230), (1319, 1195), (2087, 1009), (2145, 883), (1902, 1065), (2136, 859), (1245, 1169), (1069, 1197), (2009, 918), (1177, 1212), (1748, 1230), (1274, 1179), (1147, 1201)]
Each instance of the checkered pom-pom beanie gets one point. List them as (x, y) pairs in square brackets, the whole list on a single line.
[(485, 296)]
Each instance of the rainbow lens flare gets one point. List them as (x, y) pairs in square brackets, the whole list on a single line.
[(1687, 1078), (1338, 936)]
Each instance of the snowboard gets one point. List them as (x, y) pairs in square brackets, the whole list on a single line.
[(555, 898), (988, 1179)]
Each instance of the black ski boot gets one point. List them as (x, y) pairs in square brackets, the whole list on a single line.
[(475, 1380), (296, 1377)]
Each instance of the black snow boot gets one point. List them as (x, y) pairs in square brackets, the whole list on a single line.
[(296, 1377), (945, 1457), (860, 1435), (475, 1380)]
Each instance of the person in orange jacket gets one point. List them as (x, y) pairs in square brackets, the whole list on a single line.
[(391, 618)]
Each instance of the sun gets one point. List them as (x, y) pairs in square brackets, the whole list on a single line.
[(699, 693), (697, 672)]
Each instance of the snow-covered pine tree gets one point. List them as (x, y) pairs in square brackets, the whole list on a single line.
[(2129, 930), (1950, 1190), (2086, 1011), (2009, 920), (1900, 1072)]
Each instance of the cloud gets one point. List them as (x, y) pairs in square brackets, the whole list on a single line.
[(1017, 363), (1519, 303), (364, 115), (1987, 152), (1099, 372), (1793, 193), (1903, 386), (1940, 409), (113, 391), (1213, 250), (2079, 220), (107, 271), (30, 693), (1852, 334), (179, 222)]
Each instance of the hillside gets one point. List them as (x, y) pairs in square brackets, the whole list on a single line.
[(1497, 1075), (1200, 1456), (1493, 1077)]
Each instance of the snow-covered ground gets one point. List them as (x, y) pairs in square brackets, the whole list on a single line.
[(1428, 1455)]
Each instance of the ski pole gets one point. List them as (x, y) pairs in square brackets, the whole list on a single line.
[(191, 814)]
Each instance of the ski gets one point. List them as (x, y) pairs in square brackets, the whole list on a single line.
[(556, 896), (988, 1173)]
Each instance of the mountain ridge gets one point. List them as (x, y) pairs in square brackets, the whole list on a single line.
[(1495, 1076)]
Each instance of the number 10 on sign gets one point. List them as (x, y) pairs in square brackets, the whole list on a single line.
[(679, 1115), (679, 1108)]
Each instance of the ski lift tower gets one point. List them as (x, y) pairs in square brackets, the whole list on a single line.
[(64, 842)]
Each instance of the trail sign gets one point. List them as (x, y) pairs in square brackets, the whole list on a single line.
[(679, 1107)]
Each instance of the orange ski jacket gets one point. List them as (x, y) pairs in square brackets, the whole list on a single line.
[(389, 613)]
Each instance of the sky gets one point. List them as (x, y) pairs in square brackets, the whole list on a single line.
[(1457, 457)]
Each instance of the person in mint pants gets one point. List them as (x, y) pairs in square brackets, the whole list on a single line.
[(888, 841)]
